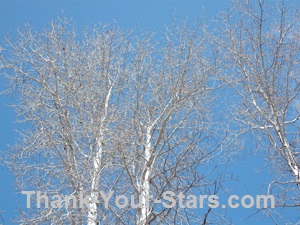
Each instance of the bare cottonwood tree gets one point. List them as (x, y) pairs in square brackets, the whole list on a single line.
[(170, 137), (260, 47), (108, 110), (68, 85)]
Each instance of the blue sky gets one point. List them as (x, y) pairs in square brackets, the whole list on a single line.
[(149, 15)]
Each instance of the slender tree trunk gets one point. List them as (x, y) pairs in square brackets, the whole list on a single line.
[(288, 155), (92, 213), (145, 183)]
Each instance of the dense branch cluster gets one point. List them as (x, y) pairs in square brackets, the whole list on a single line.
[(113, 110)]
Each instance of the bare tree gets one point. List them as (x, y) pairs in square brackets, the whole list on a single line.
[(109, 110), (260, 47), (170, 137), (68, 89)]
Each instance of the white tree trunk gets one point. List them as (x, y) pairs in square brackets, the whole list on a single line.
[(92, 211), (289, 156), (145, 182)]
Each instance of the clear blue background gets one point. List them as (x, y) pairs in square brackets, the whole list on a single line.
[(149, 15)]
